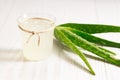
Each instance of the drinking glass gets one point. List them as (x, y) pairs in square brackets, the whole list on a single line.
[(37, 35)]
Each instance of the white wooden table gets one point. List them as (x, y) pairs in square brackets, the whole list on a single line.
[(62, 65)]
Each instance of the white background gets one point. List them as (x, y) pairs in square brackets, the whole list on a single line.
[(62, 65)]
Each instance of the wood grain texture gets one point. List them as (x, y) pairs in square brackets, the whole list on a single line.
[(63, 64)]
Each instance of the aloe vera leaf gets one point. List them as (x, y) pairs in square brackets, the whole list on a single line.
[(92, 28), (109, 52), (79, 41), (61, 36), (94, 39)]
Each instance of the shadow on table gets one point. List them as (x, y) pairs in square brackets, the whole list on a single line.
[(67, 58), (7, 55)]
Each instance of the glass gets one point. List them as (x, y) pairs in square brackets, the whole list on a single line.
[(37, 33)]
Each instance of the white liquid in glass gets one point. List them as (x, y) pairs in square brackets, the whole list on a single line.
[(31, 49)]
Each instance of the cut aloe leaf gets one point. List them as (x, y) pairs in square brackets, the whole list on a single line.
[(62, 37), (81, 42), (92, 28), (94, 39)]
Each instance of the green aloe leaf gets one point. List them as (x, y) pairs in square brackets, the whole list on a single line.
[(92, 28), (85, 30), (81, 42), (62, 37), (75, 35), (94, 39)]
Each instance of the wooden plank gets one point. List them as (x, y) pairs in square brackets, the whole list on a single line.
[(62, 65)]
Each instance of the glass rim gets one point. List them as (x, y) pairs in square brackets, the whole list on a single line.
[(46, 16)]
